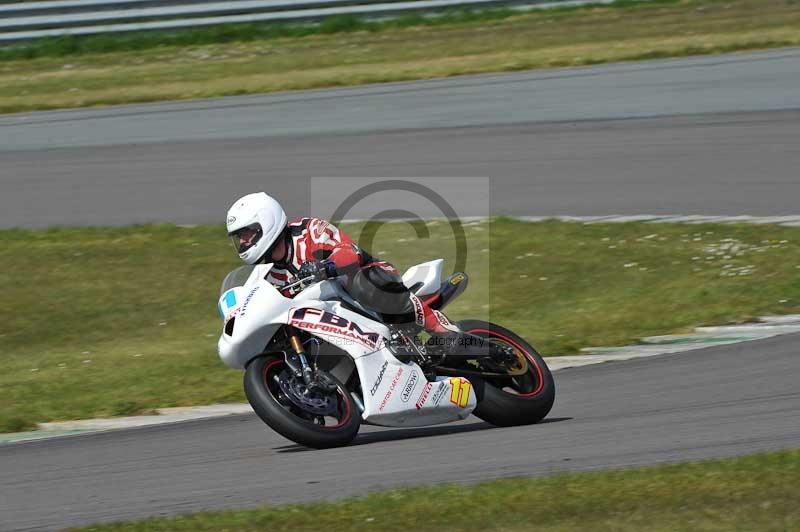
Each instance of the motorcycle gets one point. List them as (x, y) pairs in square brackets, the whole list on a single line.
[(319, 364)]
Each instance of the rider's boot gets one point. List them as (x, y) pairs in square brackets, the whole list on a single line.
[(448, 340)]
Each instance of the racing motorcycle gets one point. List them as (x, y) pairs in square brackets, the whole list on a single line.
[(319, 364)]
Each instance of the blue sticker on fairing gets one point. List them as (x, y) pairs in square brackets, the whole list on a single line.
[(230, 299), (219, 309)]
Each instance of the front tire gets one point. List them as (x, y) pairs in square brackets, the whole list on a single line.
[(264, 393), (521, 400)]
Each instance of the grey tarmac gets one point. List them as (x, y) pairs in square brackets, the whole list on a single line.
[(716, 402), (708, 135), (701, 135)]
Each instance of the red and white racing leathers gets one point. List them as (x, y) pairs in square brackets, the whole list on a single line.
[(374, 283)]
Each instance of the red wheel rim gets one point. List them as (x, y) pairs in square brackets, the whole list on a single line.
[(501, 336)]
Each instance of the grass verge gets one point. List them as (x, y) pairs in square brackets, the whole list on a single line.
[(77, 73), (119, 321), (752, 493)]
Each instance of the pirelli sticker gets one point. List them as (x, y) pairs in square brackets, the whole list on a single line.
[(424, 395), (459, 394)]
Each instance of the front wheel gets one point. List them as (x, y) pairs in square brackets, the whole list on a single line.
[(312, 419), (515, 400)]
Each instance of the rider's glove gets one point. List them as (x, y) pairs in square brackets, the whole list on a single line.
[(314, 271)]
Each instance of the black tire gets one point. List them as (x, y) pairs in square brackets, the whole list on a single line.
[(533, 393), (262, 394)]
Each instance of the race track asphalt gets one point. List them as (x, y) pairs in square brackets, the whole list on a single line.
[(704, 135), (715, 402), (710, 135)]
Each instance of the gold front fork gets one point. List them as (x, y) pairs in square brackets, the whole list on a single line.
[(295, 342), (300, 354)]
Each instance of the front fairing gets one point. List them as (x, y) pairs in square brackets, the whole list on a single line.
[(253, 312)]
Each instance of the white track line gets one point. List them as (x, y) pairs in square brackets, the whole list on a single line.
[(787, 220)]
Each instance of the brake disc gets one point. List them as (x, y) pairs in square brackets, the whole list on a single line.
[(309, 401), (520, 365)]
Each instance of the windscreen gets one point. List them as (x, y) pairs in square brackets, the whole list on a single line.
[(236, 278)]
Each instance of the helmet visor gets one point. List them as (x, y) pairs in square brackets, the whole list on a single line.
[(246, 237)]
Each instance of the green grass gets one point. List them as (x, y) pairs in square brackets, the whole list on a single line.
[(757, 492), (103, 70), (71, 45), (116, 321)]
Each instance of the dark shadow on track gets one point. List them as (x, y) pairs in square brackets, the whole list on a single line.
[(405, 434)]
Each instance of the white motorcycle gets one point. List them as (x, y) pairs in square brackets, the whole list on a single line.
[(319, 364)]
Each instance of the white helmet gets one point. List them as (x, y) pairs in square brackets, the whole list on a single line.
[(263, 218)]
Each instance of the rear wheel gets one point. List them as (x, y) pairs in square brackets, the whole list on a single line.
[(514, 400), (314, 419)]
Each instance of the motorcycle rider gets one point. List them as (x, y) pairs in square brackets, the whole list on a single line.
[(314, 248)]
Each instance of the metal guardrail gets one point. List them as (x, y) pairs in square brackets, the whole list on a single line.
[(34, 20)]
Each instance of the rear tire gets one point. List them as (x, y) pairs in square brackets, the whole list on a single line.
[(522, 400), (263, 394)]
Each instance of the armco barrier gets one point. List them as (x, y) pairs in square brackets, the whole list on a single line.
[(33, 20)]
